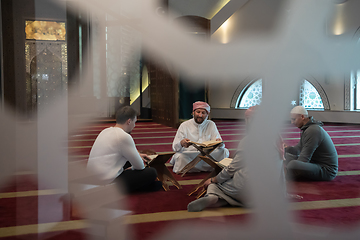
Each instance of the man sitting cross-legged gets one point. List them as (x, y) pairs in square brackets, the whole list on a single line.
[(198, 129), (314, 158), (114, 157), (230, 186)]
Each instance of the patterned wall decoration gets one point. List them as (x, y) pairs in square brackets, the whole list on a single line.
[(319, 89), (350, 86), (164, 95), (45, 30), (96, 31), (46, 72), (122, 60), (240, 90), (309, 97), (252, 96), (117, 79)]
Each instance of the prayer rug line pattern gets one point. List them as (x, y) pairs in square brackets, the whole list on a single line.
[(326, 198)]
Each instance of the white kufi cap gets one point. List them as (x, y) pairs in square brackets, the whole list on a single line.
[(299, 110)]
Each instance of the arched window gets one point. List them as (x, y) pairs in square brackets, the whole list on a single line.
[(251, 96), (308, 97)]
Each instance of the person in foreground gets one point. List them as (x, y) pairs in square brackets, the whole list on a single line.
[(114, 157), (230, 186), (198, 129), (314, 158)]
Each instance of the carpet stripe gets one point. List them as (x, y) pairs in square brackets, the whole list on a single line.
[(155, 128), (348, 173), (32, 193), (335, 131), (331, 137), (346, 144), (225, 141), (335, 203), (230, 149), (181, 182), (170, 143), (136, 128), (350, 156), (177, 215), (170, 136), (43, 228), (132, 133)]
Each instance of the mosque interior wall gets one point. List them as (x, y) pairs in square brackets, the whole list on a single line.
[(253, 21)]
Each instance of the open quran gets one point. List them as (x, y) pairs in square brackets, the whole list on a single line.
[(159, 158), (207, 143), (152, 156), (158, 161), (225, 162)]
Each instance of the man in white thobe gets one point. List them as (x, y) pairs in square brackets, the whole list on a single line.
[(198, 129)]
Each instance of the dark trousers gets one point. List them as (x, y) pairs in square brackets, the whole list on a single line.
[(305, 171), (138, 180)]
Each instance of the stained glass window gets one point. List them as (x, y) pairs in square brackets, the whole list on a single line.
[(309, 97), (252, 95)]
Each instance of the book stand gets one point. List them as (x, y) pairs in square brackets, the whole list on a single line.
[(204, 151), (217, 168), (163, 172)]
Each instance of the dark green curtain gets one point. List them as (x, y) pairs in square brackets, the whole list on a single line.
[(188, 94)]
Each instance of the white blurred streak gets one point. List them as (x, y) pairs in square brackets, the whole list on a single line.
[(298, 46), (265, 166)]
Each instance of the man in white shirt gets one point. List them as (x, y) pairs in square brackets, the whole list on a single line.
[(198, 129), (114, 157)]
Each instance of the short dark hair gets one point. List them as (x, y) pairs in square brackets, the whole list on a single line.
[(125, 113)]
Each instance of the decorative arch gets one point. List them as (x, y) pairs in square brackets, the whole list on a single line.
[(46, 79), (246, 84), (240, 90), (320, 90)]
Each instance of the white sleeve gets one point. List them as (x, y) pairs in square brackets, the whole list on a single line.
[(215, 134), (131, 154), (180, 135)]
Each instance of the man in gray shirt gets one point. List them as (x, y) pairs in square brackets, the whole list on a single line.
[(314, 158), (231, 186)]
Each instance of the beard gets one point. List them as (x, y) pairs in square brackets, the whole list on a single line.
[(199, 120)]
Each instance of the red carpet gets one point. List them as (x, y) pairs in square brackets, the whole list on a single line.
[(20, 211)]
